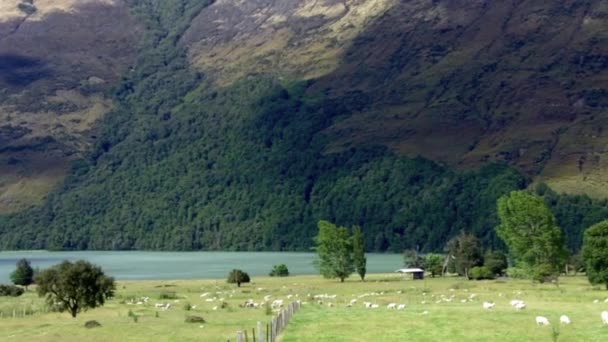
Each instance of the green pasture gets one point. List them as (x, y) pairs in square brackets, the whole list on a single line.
[(441, 309)]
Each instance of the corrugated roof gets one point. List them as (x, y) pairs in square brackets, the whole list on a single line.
[(409, 270)]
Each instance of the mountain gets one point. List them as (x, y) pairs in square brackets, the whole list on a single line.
[(239, 124), (58, 59)]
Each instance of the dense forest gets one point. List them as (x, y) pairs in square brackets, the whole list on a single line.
[(184, 165)]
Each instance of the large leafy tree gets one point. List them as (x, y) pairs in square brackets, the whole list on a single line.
[(434, 263), (359, 252), (75, 287), (595, 253), (529, 229), (465, 251), (23, 274), (335, 251)]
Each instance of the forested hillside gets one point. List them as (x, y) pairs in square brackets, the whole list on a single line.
[(209, 149)]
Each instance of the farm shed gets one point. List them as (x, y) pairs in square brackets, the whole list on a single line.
[(417, 273)]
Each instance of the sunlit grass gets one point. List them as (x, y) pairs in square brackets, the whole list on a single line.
[(443, 321)]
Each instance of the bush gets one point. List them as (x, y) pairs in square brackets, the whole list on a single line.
[(167, 295), (10, 290), (187, 306), (91, 324), (480, 273), (279, 271), (517, 273), (195, 319), (496, 261), (237, 277)]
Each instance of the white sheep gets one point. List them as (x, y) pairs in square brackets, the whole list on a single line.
[(488, 305), (514, 302), (541, 320), (159, 305), (391, 306), (605, 317), (520, 306), (401, 307), (205, 294), (564, 319), (375, 306), (367, 305)]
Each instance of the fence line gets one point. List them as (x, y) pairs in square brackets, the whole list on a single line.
[(274, 328)]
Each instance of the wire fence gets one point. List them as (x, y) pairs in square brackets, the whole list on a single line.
[(270, 331)]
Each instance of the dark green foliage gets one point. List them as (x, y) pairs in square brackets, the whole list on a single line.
[(10, 290), (167, 295), (237, 277), (413, 259), (481, 273), (465, 251), (187, 306), (74, 287), (595, 253), (279, 271), (359, 259), (576, 263), (496, 262), (23, 274), (433, 263), (574, 213), (530, 230), (194, 319), (335, 251), (92, 324)]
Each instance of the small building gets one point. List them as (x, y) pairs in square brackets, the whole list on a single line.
[(417, 273)]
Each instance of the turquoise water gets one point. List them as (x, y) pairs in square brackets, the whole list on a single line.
[(185, 265)]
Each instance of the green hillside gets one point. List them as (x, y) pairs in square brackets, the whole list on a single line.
[(393, 127)]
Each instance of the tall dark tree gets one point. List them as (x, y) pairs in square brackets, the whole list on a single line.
[(74, 287), (23, 275), (359, 252), (530, 230), (335, 251), (595, 253), (238, 277)]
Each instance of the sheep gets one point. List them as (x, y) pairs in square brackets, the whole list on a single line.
[(375, 306), (605, 317), (391, 306), (564, 319), (159, 305), (277, 303), (204, 294), (488, 305), (514, 302), (401, 307), (214, 308), (330, 305), (367, 305), (520, 306), (541, 320), (353, 301)]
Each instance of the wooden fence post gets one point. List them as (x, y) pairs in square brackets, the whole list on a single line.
[(260, 332), (240, 336)]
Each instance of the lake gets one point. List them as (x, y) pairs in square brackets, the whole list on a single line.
[(185, 265)]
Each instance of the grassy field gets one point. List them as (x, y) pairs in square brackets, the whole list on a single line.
[(427, 316)]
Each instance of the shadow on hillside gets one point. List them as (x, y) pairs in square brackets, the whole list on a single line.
[(19, 70)]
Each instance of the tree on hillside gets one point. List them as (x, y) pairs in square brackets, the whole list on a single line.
[(529, 229), (595, 253), (335, 251), (359, 252), (74, 287), (465, 249), (23, 275), (434, 263)]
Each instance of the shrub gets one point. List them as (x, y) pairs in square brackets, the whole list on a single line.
[(237, 277), (10, 290), (167, 295), (91, 324), (517, 273), (496, 261), (195, 319), (279, 271), (480, 273), (187, 306)]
